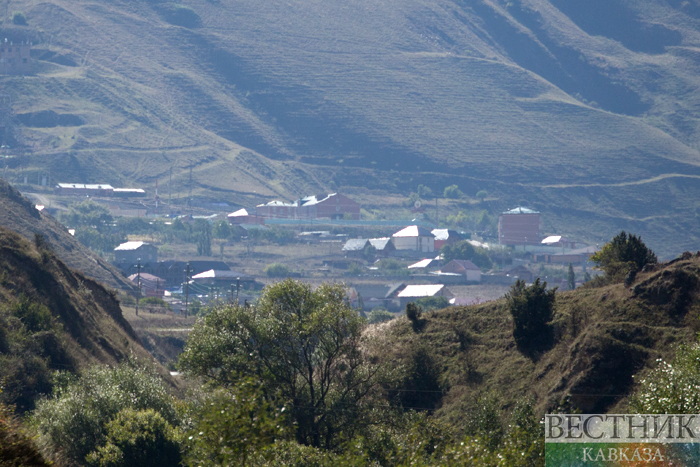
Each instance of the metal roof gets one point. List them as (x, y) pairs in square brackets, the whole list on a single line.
[(380, 243), (555, 239), (429, 290), (355, 244), (465, 263), (240, 212), (215, 274), (424, 263), (521, 210), (414, 231), (131, 246), (444, 234), (83, 186), (129, 190), (314, 199)]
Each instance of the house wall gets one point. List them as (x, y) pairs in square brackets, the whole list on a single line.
[(14, 58), (519, 229), (423, 244), (147, 253)]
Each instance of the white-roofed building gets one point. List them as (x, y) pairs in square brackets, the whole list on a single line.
[(131, 252), (416, 238), (559, 241), (242, 216), (411, 293)]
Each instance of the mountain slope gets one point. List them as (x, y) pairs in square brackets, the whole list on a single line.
[(587, 112), (18, 214)]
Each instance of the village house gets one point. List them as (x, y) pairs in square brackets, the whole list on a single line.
[(151, 286), (519, 226), (243, 217), (384, 246), (463, 267), (445, 237), (411, 293), (372, 296), (15, 58), (130, 252), (559, 241), (355, 247), (226, 280), (330, 206), (174, 272), (414, 238)]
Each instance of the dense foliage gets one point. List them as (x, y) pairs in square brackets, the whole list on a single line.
[(465, 250), (623, 255), (16, 445), (672, 387), (532, 309), (305, 343), (73, 421)]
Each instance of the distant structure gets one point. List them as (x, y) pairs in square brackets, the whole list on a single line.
[(174, 272), (243, 217), (14, 58), (463, 267), (414, 238), (96, 189), (330, 206), (445, 237), (519, 226), (128, 253)]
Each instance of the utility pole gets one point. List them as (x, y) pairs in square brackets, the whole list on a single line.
[(437, 225), (189, 200), (238, 286), (170, 192), (187, 287), (138, 284)]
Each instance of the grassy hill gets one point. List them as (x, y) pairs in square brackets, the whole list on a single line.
[(605, 337), (18, 214), (587, 112), (53, 318)]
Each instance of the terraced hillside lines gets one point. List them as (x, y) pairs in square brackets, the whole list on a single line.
[(518, 98)]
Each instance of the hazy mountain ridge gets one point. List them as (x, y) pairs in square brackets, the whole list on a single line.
[(576, 111)]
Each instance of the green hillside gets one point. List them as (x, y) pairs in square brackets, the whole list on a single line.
[(604, 338), (587, 112)]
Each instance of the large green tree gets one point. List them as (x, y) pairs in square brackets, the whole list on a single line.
[(464, 250), (304, 343), (625, 253)]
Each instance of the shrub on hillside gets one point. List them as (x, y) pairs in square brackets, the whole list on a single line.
[(19, 19), (379, 315), (532, 309), (16, 446), (154, 302), (277, 270), (138, 437), (180, 15), (73, 420), (453, 192)]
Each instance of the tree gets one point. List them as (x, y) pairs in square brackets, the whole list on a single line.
[(304, 343), (424, 192), (453, 192), (481, 194), (222, 230), (464, 250), (19, 19), (203, 237), (277, 270), (571, 278), (87, 214), (622, 255), (532, 309), (433, 303)]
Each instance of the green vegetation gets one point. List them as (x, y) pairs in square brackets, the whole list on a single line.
[(154, 302), (379, 315), (570, 278), (481, 194), (74, 420), (671, 387), (304, 343), (277, 270), (19, 19), (93, 226), (622, 256), (203, 236), (532, 309), (465, 250), (16, 445), (138, 437), (222, 230), (453, 192)]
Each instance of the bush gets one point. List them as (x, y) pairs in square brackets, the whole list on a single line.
[(277, 270), (453, 192), (624, 254), (136, 438), (481, 194), (19, 19), (180, 15), (413, 312), (379, 315), (155, 302), (16, 446), (532, 309), (74, 420)]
